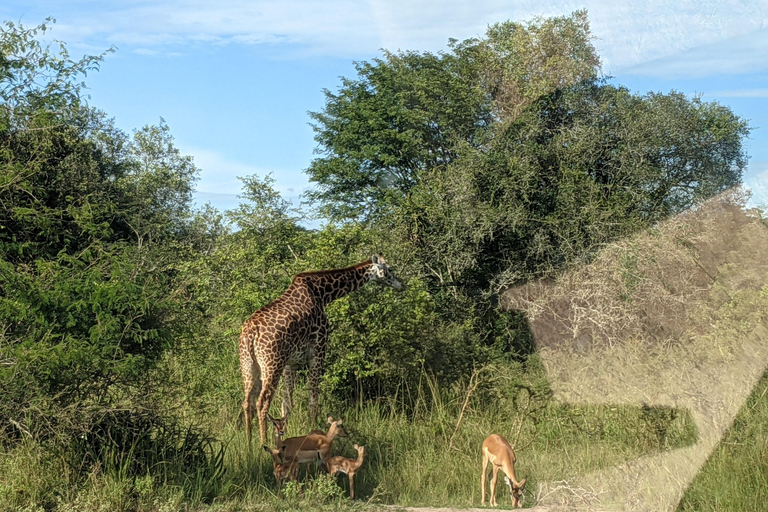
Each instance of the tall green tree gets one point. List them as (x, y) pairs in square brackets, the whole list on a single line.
[(576, 169), (506, 158), (159, 182), (407, 113), (85, 304)]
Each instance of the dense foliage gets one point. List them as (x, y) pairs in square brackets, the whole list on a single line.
[(88, 301), (507, 158)]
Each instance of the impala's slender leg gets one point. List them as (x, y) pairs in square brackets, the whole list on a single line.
[(482, 479), (493, 485)]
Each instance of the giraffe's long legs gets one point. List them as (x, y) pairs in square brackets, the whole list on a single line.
[(252, 385), (316, 367), (268, 385), (289, 383)]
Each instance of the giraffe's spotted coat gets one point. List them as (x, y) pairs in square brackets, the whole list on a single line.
[(292, 332)]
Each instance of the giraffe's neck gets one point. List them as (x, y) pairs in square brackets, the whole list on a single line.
[(329, 285)]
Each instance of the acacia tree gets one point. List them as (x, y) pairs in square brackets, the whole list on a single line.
[(576, 169)]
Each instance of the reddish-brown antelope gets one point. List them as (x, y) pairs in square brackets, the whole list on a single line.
[(282, 470), (350, 467), (307, 448), (499, 453)]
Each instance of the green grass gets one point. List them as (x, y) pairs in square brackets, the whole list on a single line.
[(735, 477), (422, 449)]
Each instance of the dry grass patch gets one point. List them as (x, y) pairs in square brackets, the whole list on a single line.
[(674, 317)]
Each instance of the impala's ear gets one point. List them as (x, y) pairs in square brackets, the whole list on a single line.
[(522, 483), (330, 419), (355, 446), (267, 449)]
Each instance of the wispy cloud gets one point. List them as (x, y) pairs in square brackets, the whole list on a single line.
[(672, 37), (741, 93), (220, 175), (736, 55)]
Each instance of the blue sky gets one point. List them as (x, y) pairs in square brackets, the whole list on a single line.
[(234, 79)]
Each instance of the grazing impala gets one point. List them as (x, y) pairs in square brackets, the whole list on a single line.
[(305, 449), (499, 453), (340, 464), (282, 470)]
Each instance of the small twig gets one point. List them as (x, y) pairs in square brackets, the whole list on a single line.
[(294, 254), (474, 381), (523, 416), (588, 497), (22, 429)]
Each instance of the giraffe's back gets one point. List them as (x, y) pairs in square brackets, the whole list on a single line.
[(282, 328)]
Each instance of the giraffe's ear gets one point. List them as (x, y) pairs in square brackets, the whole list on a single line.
[(375, 259)]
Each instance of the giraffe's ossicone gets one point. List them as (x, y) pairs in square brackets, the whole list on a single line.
[(292, 331)]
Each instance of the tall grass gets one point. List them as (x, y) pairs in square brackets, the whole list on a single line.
[(735, 478), (422, 445)]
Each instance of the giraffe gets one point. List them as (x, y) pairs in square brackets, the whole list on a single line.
[(292, 332)]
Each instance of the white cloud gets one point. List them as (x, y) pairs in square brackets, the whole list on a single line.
[(629, 33), (742, 54)]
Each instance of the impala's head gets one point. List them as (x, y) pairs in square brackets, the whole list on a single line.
[(360, 450), (280, 470), (515, 490), (382, 273), (337, 427), (279, 424)]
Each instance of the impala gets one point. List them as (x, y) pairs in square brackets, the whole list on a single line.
[(282, 470), (350, 467), (499, 453), (307, 448)]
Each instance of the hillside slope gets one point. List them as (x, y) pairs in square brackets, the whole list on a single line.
[(676, 316)]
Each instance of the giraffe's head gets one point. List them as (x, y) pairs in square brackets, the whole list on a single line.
[(382, 273)]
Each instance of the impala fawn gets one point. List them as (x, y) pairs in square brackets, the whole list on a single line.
[(340, 464), (307, 448)]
